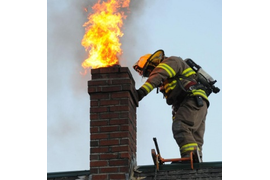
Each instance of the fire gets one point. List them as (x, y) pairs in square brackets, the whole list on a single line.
[(102, 33)]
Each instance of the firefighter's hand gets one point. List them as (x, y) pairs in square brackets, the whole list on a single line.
[(140, 94)]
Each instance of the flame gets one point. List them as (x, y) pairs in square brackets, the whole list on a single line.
[(102, 32)]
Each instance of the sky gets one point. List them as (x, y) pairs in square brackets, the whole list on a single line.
[(189, 29)]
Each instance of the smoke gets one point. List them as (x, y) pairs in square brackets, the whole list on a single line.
[(67, 98), (65, 53)]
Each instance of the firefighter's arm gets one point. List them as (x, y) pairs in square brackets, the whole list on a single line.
[(153, 81), (158, 75), (144, 90)]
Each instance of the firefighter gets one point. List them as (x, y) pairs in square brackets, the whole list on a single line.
[(177, 81)]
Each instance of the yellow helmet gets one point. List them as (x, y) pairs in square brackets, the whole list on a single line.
[(142, 61), (148, 62)]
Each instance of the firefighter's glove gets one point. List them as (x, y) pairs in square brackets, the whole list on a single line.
[(140, 94)]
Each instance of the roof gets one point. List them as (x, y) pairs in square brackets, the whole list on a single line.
[(69, 175), (204, 170)]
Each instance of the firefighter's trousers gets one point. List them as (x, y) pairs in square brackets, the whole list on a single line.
[(189, 125)]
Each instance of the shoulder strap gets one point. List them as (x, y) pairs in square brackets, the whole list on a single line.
[(177, 77)]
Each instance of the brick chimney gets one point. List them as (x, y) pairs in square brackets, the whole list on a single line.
[(113, 103)]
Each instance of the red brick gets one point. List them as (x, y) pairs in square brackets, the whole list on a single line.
[(119, 108), (109, 115), (109, 128), (125, 141), (108, 169), (99, 123), (99, 177), (94, 116), (93, 103), (99, 136), (124, 128), (124, 102), (94, 143), (95, 71), (117, 76), (98, 163), (94, 83), (121, 162), (94, 157), (118, 121), (94, 129), (119, 134), (99, 96), (125, 155), (120, 148), (121, 94), (99, 150), (108, 102), (124, 169), (98, 109), (108, 142), (92, 89), (108, 156), (122, 81), (107, 70), (111, 88)]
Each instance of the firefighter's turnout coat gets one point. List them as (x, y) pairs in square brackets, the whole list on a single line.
[(167, 72)]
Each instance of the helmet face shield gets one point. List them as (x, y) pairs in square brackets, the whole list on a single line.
[(152, 62)]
